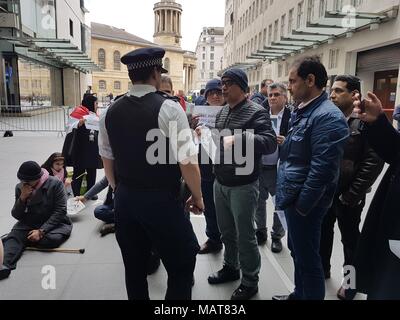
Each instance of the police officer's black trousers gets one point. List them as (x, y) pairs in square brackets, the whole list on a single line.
[(146, 218)]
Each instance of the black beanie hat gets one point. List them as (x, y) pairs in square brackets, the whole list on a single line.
[(29, 171), (238, 76)]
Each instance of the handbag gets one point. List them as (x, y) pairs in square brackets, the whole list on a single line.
[(68, 148)]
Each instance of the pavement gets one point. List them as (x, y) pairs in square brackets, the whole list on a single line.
[(98, 274)]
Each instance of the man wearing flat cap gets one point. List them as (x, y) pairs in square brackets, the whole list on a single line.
[(236, 192), (41, 210), (148, 210)]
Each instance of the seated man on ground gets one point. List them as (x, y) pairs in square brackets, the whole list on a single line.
[(41, 210)]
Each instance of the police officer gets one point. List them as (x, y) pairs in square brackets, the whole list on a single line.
[(138, 150)]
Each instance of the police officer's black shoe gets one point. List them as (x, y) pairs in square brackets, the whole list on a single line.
[(244, 293), (4, 272), (262, 237), (276, 246), (107, 228), (226, 274)]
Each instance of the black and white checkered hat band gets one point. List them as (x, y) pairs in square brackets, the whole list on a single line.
[(145, 64)]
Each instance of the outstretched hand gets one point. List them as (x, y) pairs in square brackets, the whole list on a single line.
[(369, 109)]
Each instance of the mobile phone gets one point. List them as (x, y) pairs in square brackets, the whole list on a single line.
[(362, 106)]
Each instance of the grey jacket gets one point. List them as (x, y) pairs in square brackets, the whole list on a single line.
[(47, 210)]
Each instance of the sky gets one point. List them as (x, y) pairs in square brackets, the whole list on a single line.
[(137, 17)]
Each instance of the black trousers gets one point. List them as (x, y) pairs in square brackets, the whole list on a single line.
[(149, 218), (348, 219), (77, 183), (16, 242)]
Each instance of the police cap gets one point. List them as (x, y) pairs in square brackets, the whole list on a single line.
[(144, 58)]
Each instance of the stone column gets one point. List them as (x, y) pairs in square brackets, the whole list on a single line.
[(165, 20)]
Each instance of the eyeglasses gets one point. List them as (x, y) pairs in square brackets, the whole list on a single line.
[(215, 92), (228, 83), (275, 94)]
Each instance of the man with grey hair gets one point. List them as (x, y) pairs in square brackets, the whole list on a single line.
[(166, 85), (280, 116)]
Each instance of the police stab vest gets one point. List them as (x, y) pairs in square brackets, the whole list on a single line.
[(128, 122)]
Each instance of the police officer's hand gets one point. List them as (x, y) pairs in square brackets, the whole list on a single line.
[(195, 206)]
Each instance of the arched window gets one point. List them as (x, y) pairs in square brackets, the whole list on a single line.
[(117, 60), (117, 85), (102, 58), (166, 64), (102, 85)]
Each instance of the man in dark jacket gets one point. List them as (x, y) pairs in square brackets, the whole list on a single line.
[(280, 116), (41, 210), (359, 169), (308, 173), (377, 260), (236, 191), (261, 97)]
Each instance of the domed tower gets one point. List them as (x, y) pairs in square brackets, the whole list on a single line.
[(167, 23)]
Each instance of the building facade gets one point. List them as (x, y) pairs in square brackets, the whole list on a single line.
[(358, 37), (209, 53), (43, 52), (109, 44)]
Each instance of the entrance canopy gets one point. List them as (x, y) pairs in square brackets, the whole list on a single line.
[(60, 52)]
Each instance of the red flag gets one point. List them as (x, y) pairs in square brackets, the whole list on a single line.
[(79, 112)]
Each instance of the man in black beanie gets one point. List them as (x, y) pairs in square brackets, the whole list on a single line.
[(41, 210), (236, 192)]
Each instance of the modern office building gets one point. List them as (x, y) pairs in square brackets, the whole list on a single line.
[(44, 52), (358, 37)]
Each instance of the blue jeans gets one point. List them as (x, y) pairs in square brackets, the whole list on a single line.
[(212, 230), (105, 213), (304, 234)]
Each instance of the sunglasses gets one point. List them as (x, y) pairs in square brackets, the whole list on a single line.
[(276, 95)]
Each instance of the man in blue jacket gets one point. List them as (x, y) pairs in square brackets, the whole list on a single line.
[(309, 172)]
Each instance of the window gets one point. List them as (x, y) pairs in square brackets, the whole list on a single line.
[(310, 10), (290, 22), (203, 65), (212, 39), (117, 85), (71, 28), (102, 85), (280, 70), (276, 30), (101, 55), (212, 48), (299, 14), (333, 58), (283, 23), (117, 60), (204, 49), (269, 34), (338, 5), (211, 75), (202, 75), (211, 56), (322, 8), (212, 65), (204, 56), (166, 64)]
